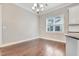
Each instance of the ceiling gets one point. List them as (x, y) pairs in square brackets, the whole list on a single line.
[(28, 6)]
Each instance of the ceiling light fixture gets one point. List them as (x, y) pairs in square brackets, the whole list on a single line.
[(39, 7)]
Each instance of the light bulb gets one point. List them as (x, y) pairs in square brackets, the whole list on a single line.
[(42, 9), (41, 5), (35, 4), (37, 10), (33, 7)]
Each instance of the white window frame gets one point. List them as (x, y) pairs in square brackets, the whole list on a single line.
[(62, 24)]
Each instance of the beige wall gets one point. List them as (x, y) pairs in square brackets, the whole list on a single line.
[(0, 24), (18, 24), (54, 36)]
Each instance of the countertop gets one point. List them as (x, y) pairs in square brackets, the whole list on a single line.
[(73, 35)]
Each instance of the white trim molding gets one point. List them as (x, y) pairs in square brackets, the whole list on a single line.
[(53, 39), (13, 43)]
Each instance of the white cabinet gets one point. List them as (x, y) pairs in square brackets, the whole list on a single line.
[(74, 19), (74, 15), (72, 39), (71, 46), (78, 48)]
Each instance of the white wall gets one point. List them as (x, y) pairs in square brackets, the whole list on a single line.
[(18, 24), (54, 36), (0, 24)]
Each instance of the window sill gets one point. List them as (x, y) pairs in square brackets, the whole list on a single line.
[(54, 32)]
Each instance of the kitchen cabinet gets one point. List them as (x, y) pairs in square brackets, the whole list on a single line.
[(72, 46), (72, 38), (74, 19)]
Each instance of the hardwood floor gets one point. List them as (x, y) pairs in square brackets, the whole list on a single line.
[(38, 47)]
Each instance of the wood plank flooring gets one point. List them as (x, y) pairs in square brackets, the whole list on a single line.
[(38, 47)]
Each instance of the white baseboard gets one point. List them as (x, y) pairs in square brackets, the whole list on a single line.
[(12, 43), (53, 39)]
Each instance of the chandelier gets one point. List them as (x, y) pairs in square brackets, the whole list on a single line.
[(39, 7)]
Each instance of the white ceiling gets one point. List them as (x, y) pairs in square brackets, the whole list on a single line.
[(28, 6)]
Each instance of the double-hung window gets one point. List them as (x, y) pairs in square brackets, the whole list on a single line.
[(55, 24)]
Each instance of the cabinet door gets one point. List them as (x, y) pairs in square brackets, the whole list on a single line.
[(71, 46), (74, 19), (78, 48), (74, 15)]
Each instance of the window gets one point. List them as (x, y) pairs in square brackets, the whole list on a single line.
[(54, 24)]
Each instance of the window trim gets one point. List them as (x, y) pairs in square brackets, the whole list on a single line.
[(62, 25)]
